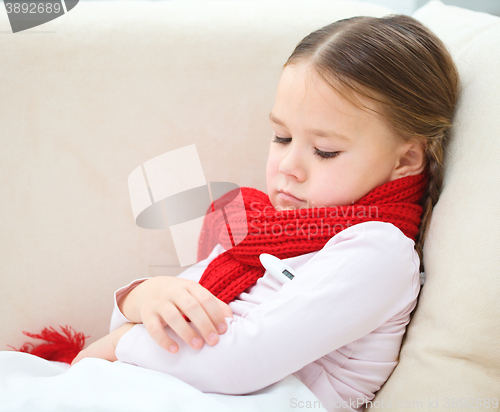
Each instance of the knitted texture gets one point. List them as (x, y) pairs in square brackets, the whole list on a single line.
[(289, 233)]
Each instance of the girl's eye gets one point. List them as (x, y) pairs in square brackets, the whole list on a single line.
[(283, 140), (324, 155)]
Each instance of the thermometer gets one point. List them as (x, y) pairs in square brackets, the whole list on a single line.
[(279, 270)]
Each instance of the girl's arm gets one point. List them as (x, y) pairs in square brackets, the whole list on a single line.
[(159, 300), (363, 277), (105, 347)]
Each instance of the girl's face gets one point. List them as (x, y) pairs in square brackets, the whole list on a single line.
[(325, 151)]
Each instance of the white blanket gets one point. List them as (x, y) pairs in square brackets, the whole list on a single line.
[(29, 383)]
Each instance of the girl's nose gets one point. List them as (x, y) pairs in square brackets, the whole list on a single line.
[(292, 164)]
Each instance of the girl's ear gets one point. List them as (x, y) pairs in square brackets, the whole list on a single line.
[(411, 160)]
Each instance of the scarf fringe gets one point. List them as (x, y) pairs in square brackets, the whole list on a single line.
[(61, 347)]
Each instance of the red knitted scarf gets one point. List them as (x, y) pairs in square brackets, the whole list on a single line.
[(289, 233)]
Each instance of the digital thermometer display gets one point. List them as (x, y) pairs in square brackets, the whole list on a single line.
[(287, 274)]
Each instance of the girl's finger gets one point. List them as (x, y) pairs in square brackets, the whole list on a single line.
[(195, 308), (172, 316), (156, 330), (228, 312), (216, 314)]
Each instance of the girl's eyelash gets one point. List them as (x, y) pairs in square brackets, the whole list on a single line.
[(320, 153), (326, 155), (278, 139)]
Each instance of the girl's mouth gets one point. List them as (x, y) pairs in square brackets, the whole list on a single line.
[(289, 198)]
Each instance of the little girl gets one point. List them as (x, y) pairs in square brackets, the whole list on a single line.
[(361, 115)]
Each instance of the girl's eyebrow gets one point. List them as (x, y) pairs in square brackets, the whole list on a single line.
[(316, 132)]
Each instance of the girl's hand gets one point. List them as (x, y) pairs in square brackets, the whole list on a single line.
[(162, 300), (105, 347)]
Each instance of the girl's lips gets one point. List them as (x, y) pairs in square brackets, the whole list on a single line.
[(289, 198)]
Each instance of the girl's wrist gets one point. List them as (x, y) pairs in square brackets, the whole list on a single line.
[(127, 305)]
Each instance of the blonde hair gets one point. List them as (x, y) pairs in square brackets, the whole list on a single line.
[(402, 65)]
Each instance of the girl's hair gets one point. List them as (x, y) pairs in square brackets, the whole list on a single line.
[(402, 65)]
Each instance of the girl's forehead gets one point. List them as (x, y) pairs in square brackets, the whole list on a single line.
[(307, 103), (301, 88)]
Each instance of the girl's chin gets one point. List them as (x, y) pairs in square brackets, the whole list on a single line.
[(281, 205), (278, 207)]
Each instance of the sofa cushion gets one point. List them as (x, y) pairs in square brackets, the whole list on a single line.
[(450, 353)]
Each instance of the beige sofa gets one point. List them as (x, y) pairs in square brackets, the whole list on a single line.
[(94, 94)]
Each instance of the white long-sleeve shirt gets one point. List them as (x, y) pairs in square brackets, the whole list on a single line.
[(337, 326)]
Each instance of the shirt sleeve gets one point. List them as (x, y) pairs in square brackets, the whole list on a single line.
[(194, 272), (361, 278)]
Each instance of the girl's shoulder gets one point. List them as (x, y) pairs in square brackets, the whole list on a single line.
[(373, 231), (380, 242), (371, 258)]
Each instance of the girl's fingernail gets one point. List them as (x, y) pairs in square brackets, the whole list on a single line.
[(197, 342), (221, 328), (212, 337), (173, 349)]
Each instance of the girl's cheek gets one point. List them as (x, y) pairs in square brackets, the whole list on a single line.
[(271, 173), (273, 162)]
